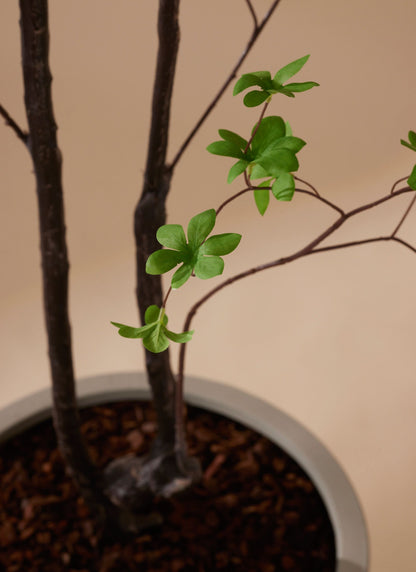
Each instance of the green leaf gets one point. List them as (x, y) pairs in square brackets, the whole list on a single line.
[(294, 144), (255, 98), (406, 144), (200, 226), (258, 172), (130, 332), (289, 131), (277, 161), (171, 236), (221, 244), (270, 129), (162, 261), (156, 341), (152, 314), (284, 187), (262, 198), (208, 267), (179, 338), (225, 149), (181, 276), (290, 70), (412, 138), (262, 79), (299, 87), (411, 181), (236, 170), (233, 138)]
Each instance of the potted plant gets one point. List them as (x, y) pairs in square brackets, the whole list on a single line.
[(266, 159)]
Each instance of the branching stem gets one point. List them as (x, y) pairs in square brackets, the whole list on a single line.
[(310, 248), (22, 135), (254, 36)]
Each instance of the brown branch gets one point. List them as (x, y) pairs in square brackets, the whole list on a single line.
[(321, 199), (398, 183), (150, 212), (22, 135), (315, 191), (310, 248), (47, 164), (253, 14), (409, 208), (256, 33)]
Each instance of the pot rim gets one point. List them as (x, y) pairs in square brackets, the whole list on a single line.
[(351, 537)]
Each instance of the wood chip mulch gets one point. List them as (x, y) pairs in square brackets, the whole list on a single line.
[(254, 511)]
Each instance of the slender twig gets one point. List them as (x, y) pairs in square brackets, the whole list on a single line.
[(409, 208), (263, 111), (253, 14), (22, 135), (254, 36), (308, 184), (310, 248), (398, 183), (322, 199), (361, 242), (230, 199)]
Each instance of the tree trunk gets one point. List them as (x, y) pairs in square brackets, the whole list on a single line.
[(46, 156)]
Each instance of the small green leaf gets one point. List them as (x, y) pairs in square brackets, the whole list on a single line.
[(412, 138), (290, 70), (130, 332), (299, 87), (284, 187), (225, 149), (236, 170), (258, 172), (270, 129), (255, 98), (294, 144), (411, 181), (408, 145), (171, 236), (181, 276), (262, 79), (208, 267), (200, 226), (179, 338), (221, 244), (289, 131), (262, 198), (156, 342), (162, 261), (276, 161), (152, 314), (233, 138)]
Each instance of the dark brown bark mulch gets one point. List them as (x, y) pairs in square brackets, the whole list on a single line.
[(254, 511)]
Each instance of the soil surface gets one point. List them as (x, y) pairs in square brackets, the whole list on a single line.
[(254, 511)]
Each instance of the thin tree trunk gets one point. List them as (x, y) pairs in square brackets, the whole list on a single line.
[(150, 214), (42, 143)]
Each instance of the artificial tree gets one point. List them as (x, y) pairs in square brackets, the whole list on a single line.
[(117, 496)]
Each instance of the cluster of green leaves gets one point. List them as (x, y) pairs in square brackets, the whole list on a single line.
[(271, 154), (411, 144), (199, 255), (269, 86), (155, 335)]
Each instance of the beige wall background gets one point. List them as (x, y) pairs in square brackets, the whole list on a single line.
[(329, 339)]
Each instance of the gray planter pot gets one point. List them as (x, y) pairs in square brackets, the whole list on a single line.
[(335, 489)]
